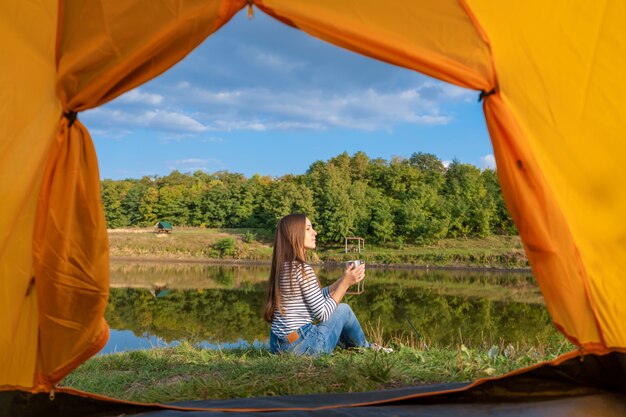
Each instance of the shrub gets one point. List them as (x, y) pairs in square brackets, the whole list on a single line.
[(249, 237), (226, 246)]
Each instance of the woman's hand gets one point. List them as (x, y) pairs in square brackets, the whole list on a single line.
[(353, 275)]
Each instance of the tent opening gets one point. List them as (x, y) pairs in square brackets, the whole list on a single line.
[(261, 112), (71, 57)]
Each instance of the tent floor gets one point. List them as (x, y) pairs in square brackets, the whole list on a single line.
[(579, 386)]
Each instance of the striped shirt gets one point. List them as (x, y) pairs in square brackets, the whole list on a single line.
[(302, 302)]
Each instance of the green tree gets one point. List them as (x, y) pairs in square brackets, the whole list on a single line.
[(381, 226), (430, 166), (194, 194), (501, 221), (113, 194), (336, 210), (470, 210), (359, 164), (285, 196), (215, 204), (398, 179), (140, 202), (148, 206), (171, 206), (424, 218), (416, 199)]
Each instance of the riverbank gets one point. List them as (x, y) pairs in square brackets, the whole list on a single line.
[(249, 246), (188, 373)]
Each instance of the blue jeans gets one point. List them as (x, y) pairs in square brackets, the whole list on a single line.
[(341, 329)]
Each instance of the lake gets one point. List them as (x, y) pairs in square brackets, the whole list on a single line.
[(220, 306)]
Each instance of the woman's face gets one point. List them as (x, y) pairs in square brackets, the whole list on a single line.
[(309, 235)]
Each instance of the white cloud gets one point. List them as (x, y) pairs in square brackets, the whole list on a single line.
[(451, 91), (172, 121), (194, 110), (369, 109), (488, 161), (171, 137), (112, 133), (168, 120), (446, 163), (229, 125), (137, 96), (194, 164), (261, 126), (257, 57), (214, 97), (190, 161)]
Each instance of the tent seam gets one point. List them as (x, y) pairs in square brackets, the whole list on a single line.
[(483, 34)]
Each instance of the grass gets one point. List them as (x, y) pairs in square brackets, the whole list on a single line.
[(254, 245), (494, 251), (189, 373), (187, 244)]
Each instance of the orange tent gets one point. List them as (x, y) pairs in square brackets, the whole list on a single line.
[(550, 73)]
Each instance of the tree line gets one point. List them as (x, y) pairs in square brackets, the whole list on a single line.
[(414, 200)]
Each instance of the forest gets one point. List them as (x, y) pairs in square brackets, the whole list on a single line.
[(414, 200)]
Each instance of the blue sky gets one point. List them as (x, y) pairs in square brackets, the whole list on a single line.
[(262, 97)]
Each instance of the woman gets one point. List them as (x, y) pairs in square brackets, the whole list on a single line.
[(295, 298)]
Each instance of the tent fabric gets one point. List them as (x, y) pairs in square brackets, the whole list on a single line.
[(547, 240), (72, 273), (574, 385), (559, 67), (29, 115), (107, 48), (552, 70), (436, 38), (103, 50)]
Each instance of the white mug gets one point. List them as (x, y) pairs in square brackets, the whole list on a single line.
[(355, 263), (360, 286)]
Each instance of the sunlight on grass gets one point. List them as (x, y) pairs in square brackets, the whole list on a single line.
[(189, 373)]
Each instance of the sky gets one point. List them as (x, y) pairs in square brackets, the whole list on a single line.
[(260, 97)]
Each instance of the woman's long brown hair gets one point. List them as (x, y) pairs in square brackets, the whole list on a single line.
[(288, 247)]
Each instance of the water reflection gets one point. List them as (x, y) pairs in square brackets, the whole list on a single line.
[(221, 306), (124, 340), (511, 286)]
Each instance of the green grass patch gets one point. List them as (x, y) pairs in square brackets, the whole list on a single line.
[(189, 373)]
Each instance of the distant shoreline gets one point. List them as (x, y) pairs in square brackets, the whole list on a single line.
[(242, 247)]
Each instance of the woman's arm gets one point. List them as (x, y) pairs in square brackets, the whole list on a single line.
[(315, 298)]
